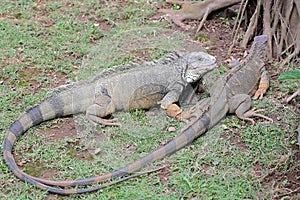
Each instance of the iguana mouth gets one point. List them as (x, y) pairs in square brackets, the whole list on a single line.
[(195, 74), (197, 63)]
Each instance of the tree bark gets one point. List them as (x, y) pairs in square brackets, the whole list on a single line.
[(278, 19)]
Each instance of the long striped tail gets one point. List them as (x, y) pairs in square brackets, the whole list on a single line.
[(33, 117)]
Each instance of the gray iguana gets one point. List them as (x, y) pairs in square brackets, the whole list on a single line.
[(230, 94), (119, 88)]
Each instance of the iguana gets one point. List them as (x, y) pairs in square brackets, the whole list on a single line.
[(118, 88), (230, 94)]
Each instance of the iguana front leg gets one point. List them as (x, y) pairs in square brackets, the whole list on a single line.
[(240, 105), (263, 84), (168, 102), (173, 94), (171, 97), (103, 107)]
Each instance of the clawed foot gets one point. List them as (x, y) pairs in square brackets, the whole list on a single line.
[(185, 116), (259, 93), (254, 113), (173, 110), (106, 122)]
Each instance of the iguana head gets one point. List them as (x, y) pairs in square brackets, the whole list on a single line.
[(198, 64), (259, 47)]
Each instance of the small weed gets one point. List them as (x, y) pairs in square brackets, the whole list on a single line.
[(225, 21), (176, 6), (201, 37), (223, 69)]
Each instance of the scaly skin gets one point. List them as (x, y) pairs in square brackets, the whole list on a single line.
[(119, 88), (230, 94)]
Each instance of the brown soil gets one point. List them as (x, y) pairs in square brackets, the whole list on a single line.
[(60, 130), (287, 183)]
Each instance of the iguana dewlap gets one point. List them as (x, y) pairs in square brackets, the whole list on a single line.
[(115, 89)]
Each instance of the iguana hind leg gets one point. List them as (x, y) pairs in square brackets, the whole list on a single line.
[(240, 105), (254, 113), (103, 107)]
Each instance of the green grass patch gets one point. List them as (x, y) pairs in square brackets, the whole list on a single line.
[(45, 44)]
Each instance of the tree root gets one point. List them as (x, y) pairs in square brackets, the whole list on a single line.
[(252, 25), (195, 10), (293, 96), (280, 22), (237, 24)]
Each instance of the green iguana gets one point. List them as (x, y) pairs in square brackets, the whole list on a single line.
[(118, 88), (230, 94)]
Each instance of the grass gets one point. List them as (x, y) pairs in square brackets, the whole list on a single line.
[(44, 45)]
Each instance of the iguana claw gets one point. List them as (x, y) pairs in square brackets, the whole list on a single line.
[(173, 110), (254, 113), (106, 122)]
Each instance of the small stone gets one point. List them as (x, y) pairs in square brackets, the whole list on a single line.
[(97, 151), (21, 163), (224, 126), (172, 129)]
